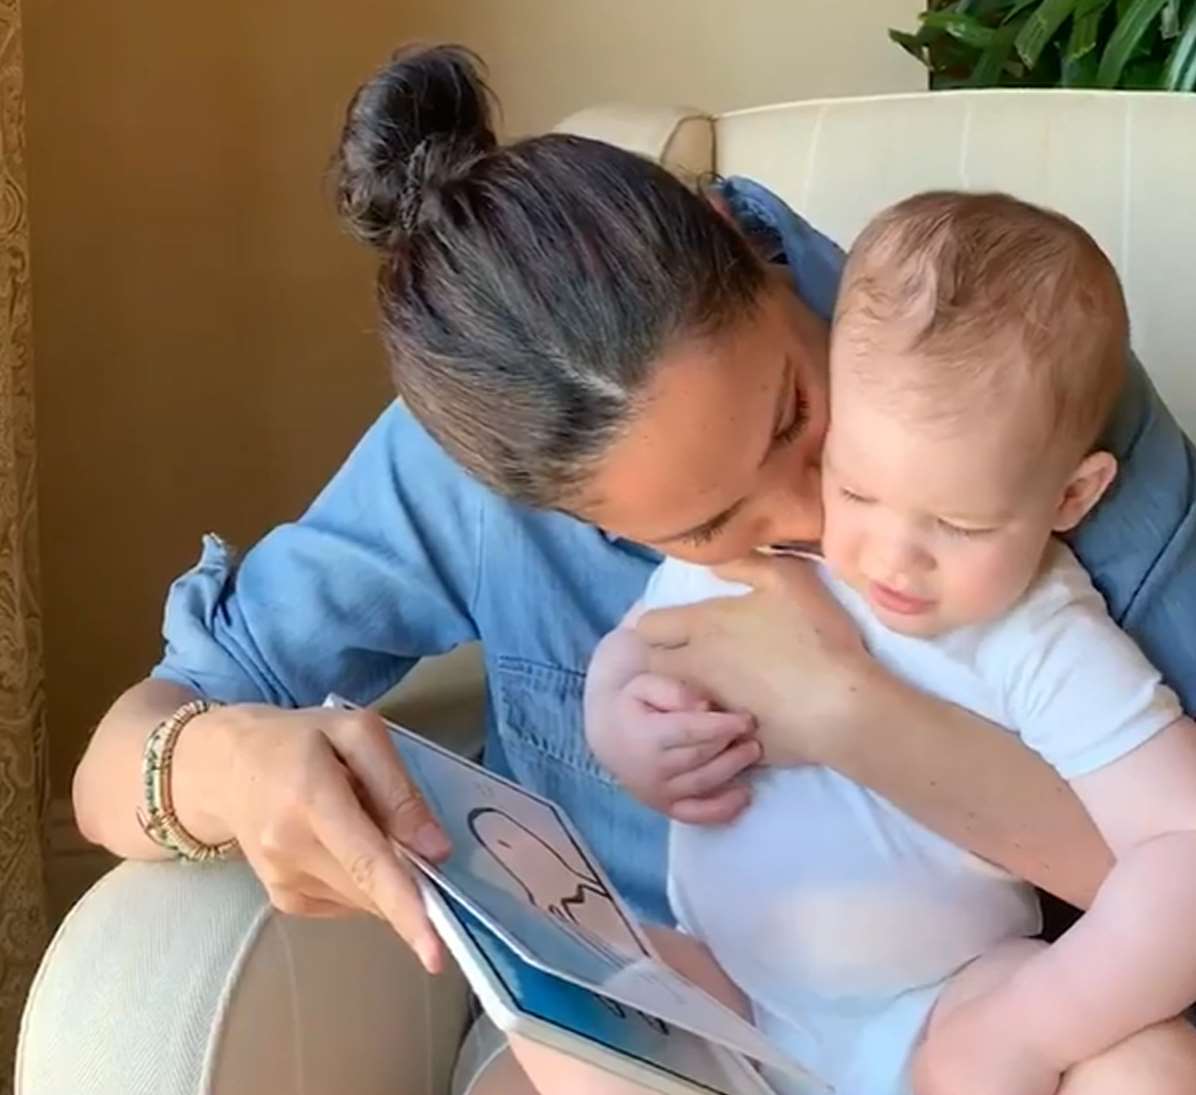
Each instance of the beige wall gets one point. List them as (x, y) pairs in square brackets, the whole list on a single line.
[(203, 342)]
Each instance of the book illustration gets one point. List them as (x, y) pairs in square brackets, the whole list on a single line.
[(548, 881), (581, 900), (521, 869), (588, 1015)]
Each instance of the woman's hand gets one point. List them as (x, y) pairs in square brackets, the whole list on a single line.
[(785, 652), (317, 800)]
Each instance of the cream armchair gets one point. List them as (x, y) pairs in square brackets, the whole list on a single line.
[(267, 1004), (1121, 163)]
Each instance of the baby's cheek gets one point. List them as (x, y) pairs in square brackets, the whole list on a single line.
[(993, 581), (837, 542)]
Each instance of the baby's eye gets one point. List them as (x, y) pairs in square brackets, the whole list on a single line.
[(956, 530), (851, 496)]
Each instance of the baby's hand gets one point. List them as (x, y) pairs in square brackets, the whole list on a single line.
[(662, 741)]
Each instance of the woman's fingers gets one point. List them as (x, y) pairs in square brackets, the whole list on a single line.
[(752, 570), (341, 824), (305, 900), (362, 741), (671, 627), (666, 693)]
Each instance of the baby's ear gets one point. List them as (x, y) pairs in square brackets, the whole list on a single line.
[(1084, 489)]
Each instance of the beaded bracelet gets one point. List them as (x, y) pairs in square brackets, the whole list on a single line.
[(158, 821)]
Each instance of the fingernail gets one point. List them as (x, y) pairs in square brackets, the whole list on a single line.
[(431, 842), (427, 947)]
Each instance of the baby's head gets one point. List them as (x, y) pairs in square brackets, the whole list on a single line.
[(978, 350)]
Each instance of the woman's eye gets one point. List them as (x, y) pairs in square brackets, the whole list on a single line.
[(702, 536), (851, 496), (801, 415)]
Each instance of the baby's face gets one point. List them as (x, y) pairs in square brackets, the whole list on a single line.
[(937, 526)]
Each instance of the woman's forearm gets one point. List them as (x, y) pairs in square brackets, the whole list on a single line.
[(108, 789), (972, 783)]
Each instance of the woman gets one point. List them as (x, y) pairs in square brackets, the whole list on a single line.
[(599, 349)]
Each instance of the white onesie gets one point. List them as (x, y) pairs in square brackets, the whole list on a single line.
[(839, 916)]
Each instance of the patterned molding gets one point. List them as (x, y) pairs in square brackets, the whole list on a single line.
[(23, 784)]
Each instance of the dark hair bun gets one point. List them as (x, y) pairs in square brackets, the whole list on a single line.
[(416, 126)]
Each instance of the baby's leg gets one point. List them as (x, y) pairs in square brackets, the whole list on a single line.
[(554, 1073), (1160, 1060)]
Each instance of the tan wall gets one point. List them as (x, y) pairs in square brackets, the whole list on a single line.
[(204, 352), (551, 57)]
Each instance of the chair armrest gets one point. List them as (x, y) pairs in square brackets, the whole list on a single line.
[(679, 138), (444, 699)]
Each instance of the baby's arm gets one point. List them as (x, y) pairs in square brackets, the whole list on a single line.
[(1131, 961), (660, 738)]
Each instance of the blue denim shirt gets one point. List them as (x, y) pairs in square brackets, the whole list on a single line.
[(403, 555)]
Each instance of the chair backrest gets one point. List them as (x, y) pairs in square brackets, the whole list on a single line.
[(1123, 164)]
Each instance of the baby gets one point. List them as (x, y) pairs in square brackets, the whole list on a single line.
[(977, 352)]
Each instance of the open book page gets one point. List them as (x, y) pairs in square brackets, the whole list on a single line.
[(519, 866), (567, 1007)]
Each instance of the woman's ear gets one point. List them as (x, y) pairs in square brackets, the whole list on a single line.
[(1085, 487)]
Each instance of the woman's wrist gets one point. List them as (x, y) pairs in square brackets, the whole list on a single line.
[(204, 762)]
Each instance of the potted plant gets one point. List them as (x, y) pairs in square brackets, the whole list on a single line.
[(1144, 44)]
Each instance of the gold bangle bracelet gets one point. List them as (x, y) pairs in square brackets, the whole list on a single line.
[(158, 820)]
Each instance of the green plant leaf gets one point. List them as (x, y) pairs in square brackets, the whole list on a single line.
[(1133, 26), (1146, 75), (909, 43), (1180, 73), (963, 28), (1018, 7), (993, 60), (1085, 26), (1079, 73), (988, 8), (1171, 19), (1041, 27)]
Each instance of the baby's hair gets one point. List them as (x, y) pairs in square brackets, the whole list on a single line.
[(990, 294)]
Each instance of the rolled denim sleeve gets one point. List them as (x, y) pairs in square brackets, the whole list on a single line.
[(380, 571), (1139, 544)]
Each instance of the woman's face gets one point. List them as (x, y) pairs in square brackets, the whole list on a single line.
[(723, 455)]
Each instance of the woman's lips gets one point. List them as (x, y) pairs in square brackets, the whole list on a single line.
[(893, 601)]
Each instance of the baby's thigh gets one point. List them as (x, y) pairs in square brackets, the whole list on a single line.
[(551, 1072), (693, 960), (1160, 1060), (983, 974)]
